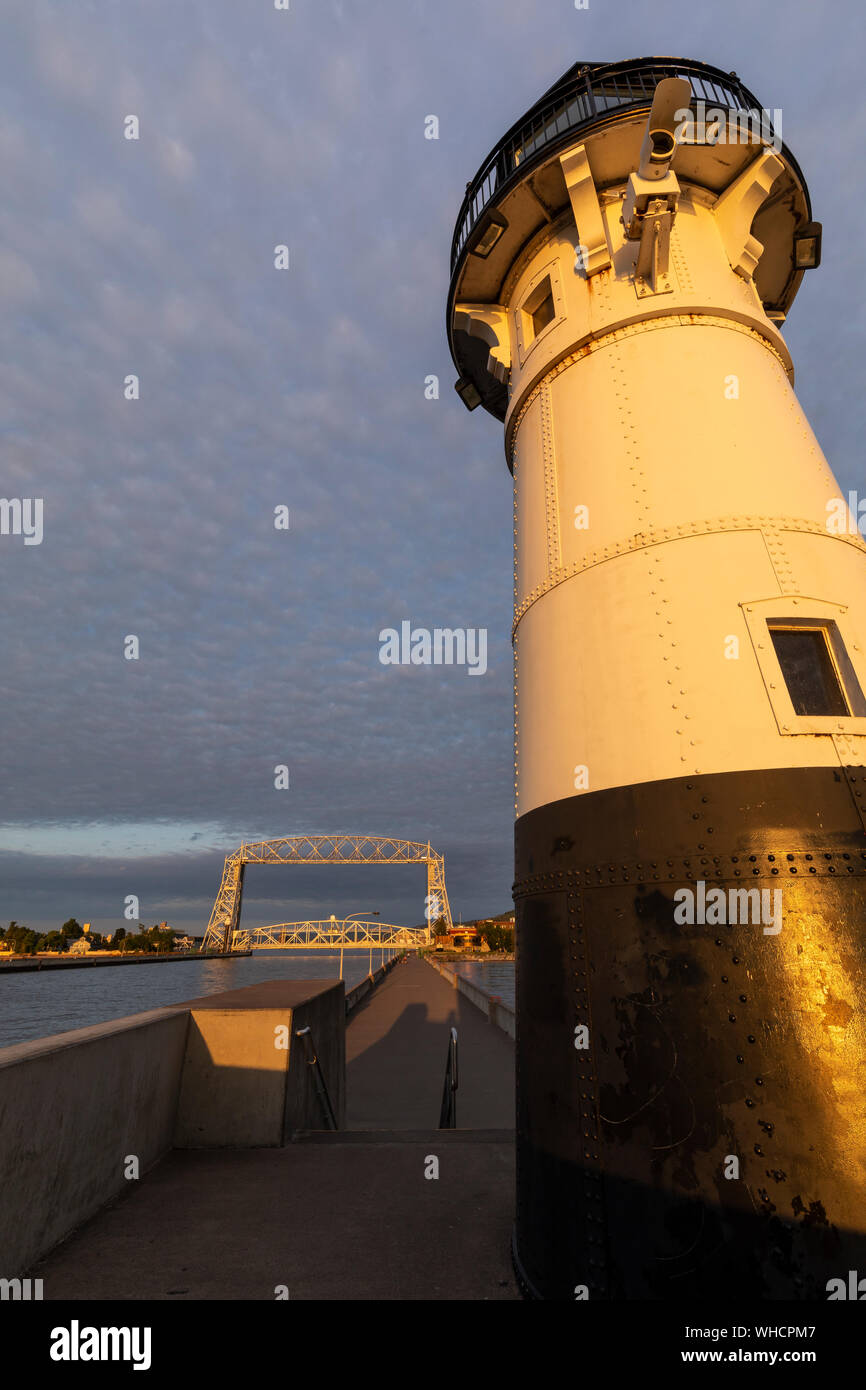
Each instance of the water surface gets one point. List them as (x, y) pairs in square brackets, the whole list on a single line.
[(37, 1004), (494, 976)]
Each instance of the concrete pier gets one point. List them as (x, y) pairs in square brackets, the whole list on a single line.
[(396, 1045), (389, 1207), (84, 1115), (17, 965), (348, 1216)]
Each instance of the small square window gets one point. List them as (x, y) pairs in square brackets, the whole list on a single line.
[(544, 314), (537, 311), (816, 668)]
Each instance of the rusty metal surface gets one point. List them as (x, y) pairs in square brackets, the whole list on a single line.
[(706, 1042)]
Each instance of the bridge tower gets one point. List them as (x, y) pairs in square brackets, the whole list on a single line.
[(689, 675), (322, 849)]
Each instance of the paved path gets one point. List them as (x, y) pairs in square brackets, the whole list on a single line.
[(397, 1046), (334, 1217), (355, 1215)]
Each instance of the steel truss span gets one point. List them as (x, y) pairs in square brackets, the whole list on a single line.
[(327, 934), (322, 849)]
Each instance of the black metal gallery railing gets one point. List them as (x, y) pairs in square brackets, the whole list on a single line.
[(584, 98)]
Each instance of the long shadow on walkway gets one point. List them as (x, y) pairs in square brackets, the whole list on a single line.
[(396, 1050)]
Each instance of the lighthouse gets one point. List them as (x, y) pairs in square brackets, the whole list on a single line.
[(689, 644)]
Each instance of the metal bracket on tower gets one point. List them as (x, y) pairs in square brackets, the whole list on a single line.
[(736, 208), (595, 252), (648, 197), (651, 269), (489, 322)]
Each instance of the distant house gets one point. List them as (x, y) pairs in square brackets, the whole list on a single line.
[(462, 936), (185, 943), (79, 947)]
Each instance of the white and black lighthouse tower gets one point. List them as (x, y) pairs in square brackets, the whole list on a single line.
[(689, 697)]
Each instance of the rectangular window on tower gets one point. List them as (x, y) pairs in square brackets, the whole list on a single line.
[(544, 313), (540, 308), (816, 668), (538, 311)]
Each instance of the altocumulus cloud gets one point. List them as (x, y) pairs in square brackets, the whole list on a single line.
[(303, 388)]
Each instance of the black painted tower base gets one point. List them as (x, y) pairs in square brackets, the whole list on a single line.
[(713, 1049)]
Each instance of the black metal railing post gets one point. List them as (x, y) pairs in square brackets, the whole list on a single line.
[(312, 1060), (448, 1112)]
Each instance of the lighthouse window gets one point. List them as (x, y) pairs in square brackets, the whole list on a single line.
[(544, 313), (539, 312), (810, 655)]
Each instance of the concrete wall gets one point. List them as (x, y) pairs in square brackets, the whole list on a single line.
[(246, 1082), (500, 1015), (72, 1108), (75, 1108)]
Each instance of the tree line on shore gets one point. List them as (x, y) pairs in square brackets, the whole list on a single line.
[(23, 941)]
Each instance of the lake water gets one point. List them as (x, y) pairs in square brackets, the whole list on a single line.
[(494, 976), (35, 1005)]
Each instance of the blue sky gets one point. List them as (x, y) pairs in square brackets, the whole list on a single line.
[(302, 388)]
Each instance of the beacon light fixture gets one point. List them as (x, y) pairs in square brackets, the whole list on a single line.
[(807, 247), (487, 233), (468, 392), (671, 96)]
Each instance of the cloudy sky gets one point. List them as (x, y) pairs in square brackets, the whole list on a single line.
[(301, 388)]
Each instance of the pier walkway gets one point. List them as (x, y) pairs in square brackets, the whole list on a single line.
[(352, 1215), (396, 1048)]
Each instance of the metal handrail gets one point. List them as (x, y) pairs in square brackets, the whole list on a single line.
[(312, 1060), (584, 98), (448, 1111)]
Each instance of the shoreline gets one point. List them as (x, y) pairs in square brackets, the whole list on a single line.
[(18, 965), (452, 956)]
